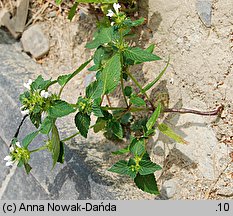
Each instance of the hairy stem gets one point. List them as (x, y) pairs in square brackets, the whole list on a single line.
[(197, 112)]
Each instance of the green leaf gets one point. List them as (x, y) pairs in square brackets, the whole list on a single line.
[(59, 109), (140, 55), (150, 48), (35, 119), (55, 140), (137, 147), (96, 109), (94, 90), (105, 35), (111, 74), (121, 167), (130, 23), (101, 54), (128, 91), (126, 118), (99, 125), (150, 85), (28, 139), (82, 122), (116, 129), (72, 11), (147, 183), (121, 151), (61, 156), (170, 133), (148, 167), (64, 79), (137, 101), (152, 120), (40, 84), (27, 168), (46, 125)]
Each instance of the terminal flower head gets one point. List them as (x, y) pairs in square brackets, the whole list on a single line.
[(28, 84), (116, 7)]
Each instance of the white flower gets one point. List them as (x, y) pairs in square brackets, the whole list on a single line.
[(112, 23), (18, 144), (9, 163), (110, 13), (116, 7), (44, 94), (28, 84), (25, 112), (9, 160)]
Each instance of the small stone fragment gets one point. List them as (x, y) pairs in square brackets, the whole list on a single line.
[(170, 187), (35, 42), (204, 11)]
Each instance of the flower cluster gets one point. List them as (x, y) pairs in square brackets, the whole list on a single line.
[(17, 154), (33, 99), (116, 7)]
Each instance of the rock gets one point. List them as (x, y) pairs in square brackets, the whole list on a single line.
[(35, 42), (169, 188), (21, 15), (204, 11), (6, 21)]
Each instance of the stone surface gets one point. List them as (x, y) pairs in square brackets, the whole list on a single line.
[(21, 15), (204, 10), (169, 188), (35, 42)]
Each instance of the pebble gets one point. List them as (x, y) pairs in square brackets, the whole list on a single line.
[(204, 10), (35, 42), (170, 188)]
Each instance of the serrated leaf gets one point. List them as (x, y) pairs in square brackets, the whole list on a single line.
[(55, 140), (110, 76), (94, 90), (46, 125), (170, 133), (28, 139), (137, 147), (99, 125), (148, 167), (152, 120), (139, 55), (147, 183), (72, 11), (121, 167), (137, 101), (131, 23), (121, 151), (105, 35), (59, 109), (61, 156), (96, 109), (116, 129), (126, 118), (40, 84), (64, 79), (35, 119), (128, 91), (27, 167), (151, 84), (82, 122)]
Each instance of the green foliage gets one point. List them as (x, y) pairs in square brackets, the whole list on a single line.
[(170, 133), (111, 62), (59, 109), (82, 122)]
